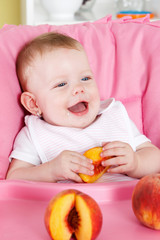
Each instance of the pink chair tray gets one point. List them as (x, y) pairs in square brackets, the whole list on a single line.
[(23, 204)]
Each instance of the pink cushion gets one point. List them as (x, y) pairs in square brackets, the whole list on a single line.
[(124, 56)]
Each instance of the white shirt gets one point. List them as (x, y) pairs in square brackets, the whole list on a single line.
[(39, 142)]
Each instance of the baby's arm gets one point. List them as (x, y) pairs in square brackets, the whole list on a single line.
[(22, 170), (66, 165), (145, 160)]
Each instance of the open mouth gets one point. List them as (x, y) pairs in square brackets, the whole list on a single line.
[(79, 108)]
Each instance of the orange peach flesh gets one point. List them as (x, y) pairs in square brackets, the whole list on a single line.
[(57, 214), (91, 218)]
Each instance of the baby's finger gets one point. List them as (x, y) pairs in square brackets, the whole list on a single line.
[(80, 156), (114, 161), (117, 169), (75, 177), (84, 162), (113, 152), (77, 168), (114, 144), (104, 143)]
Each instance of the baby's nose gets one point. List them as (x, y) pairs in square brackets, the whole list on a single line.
[(78, 89)]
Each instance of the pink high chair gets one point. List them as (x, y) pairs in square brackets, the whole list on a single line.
[(125, 58)]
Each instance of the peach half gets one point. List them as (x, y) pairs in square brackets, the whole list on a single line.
[(99, 170), (72, 214)]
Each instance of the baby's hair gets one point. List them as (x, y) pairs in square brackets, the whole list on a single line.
[(40, 45)]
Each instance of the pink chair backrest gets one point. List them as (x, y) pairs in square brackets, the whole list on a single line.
[(124, 56)]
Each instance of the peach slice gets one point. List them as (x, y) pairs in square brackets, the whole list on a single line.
[(99, 170), (72, 213)]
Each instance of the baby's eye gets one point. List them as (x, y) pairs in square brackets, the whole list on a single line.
[(61, 84), (85, 78)]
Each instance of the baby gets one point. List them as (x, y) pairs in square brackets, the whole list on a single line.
[(67, 118)]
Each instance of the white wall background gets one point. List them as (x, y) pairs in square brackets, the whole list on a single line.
[(104, 7)]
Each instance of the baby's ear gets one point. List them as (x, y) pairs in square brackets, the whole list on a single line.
[(28, 101)]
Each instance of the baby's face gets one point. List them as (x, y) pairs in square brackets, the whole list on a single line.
[(64, 87)]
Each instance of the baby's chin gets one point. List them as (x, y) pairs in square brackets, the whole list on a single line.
[(81, 116), (81, 123), (71, 124), (73, 120)]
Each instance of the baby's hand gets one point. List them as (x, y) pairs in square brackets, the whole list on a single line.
[(122, 157), (68, 164)]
